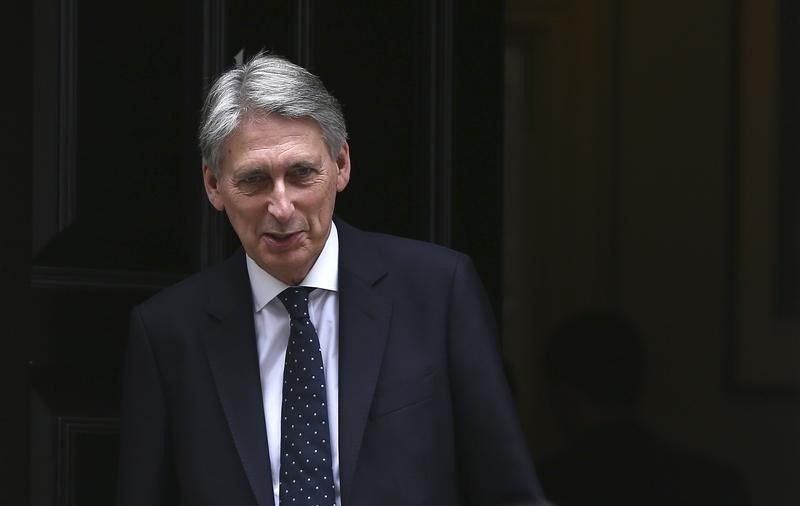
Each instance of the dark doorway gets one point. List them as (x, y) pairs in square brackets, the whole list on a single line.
[(104, 202)]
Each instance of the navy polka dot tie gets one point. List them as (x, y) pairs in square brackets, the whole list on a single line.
[(306, 472)]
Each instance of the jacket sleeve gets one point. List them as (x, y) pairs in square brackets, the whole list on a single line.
[(146, 472), (495, 467)]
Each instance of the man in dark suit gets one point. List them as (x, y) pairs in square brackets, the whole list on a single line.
[(321, 364)]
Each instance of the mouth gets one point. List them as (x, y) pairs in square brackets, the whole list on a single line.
[(278, 241)]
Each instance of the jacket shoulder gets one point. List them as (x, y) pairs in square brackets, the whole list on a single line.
[(359, 246), (191, 294), (414, 251)]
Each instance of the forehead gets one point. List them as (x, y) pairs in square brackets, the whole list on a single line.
[(275, 136)]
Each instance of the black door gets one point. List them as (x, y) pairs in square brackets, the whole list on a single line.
[(103, 200)]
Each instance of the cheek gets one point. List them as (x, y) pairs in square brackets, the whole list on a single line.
[(244, 211), (317, 207), (325, 212)]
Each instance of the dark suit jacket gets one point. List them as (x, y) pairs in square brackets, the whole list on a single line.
[(425, 416)]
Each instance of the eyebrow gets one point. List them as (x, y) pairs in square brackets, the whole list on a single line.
[(304, 165), (258, 168), (248, 171)]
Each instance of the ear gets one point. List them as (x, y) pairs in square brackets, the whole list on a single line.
[(212, 188), (343, 164)]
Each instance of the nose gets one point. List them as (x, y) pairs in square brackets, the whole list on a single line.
[(279, 203)]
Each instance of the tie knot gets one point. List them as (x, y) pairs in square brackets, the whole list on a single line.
[(295, 300)]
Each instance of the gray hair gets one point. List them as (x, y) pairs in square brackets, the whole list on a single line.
[(264, 85)]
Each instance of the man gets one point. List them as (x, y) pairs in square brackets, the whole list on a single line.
[(321, 364)]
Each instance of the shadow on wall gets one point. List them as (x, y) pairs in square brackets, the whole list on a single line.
[(595, 367)]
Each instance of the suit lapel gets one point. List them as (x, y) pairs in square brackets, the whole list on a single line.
[(232, 355), (364, 317)]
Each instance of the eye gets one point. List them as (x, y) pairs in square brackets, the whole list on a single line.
[(302, 172), (250, 181)]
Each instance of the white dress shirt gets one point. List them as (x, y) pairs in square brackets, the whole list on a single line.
[(272, 336)]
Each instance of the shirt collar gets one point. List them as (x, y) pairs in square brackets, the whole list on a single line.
[(323, 274)]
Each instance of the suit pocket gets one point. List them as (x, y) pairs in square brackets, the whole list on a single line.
[(403, 394)]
